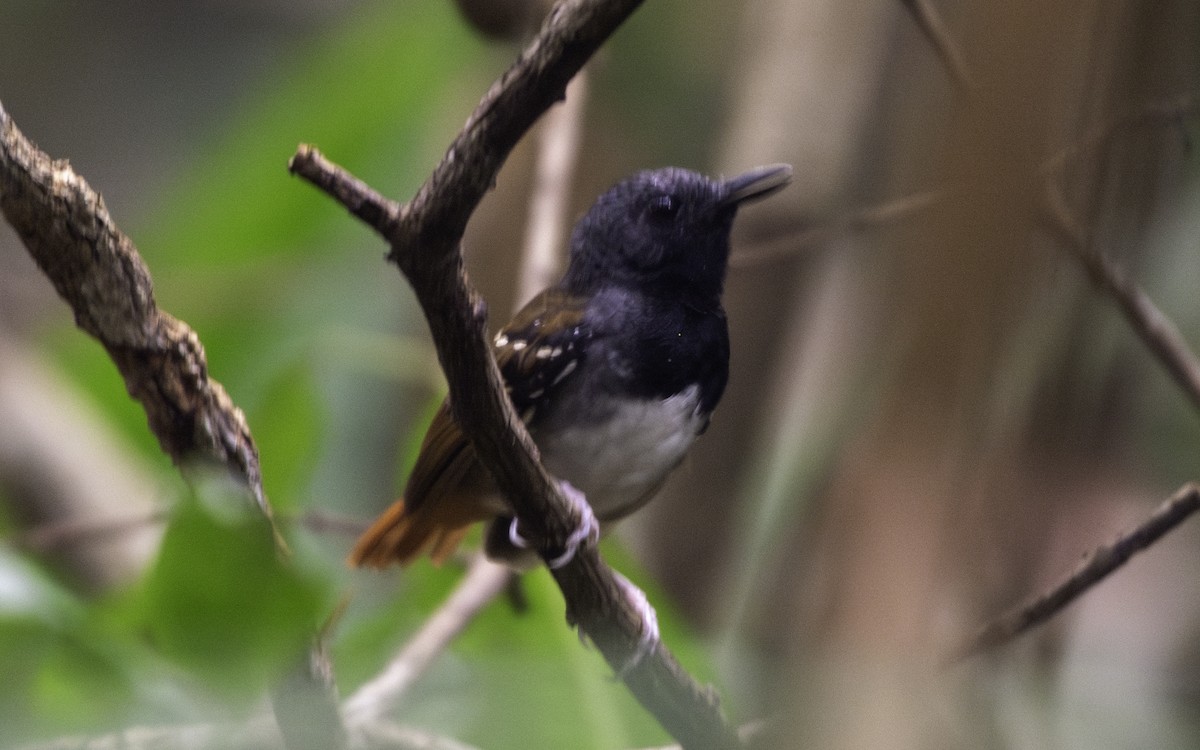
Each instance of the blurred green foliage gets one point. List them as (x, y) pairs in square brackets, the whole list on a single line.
[(315, 339)]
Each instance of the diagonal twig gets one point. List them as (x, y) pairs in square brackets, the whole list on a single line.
[(1094, 568), (1154, 328), (786, 236), (424, 237), (558, 146), (1161, 337), (379, 697), (934, 28)]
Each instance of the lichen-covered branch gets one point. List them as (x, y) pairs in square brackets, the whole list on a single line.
[(97, 270)]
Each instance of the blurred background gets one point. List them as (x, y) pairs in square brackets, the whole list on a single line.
[(931, 414)]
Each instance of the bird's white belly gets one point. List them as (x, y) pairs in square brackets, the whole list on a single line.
[(628, 455)]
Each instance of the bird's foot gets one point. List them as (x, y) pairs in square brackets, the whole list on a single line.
[(588, 531), (648, 640), (514, 536)]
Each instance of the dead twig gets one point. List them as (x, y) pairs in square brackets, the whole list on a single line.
[(1154, 328), (1094, 568), (380, 696), (546, 230), (1161, 337)]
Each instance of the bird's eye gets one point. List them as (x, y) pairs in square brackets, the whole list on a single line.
[(663, 207)]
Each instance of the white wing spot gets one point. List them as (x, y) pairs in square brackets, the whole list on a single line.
[(501, 339), (518, 345), (567, 370)]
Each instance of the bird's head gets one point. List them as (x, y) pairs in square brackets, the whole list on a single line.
[(665, 229)]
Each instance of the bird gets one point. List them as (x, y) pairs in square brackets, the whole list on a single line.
[(615, 370)]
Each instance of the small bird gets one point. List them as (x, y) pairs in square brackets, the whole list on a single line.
[(615, 369)]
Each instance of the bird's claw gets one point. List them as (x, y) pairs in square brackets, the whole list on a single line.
[(588, 530), (649, 637), (514, 536)]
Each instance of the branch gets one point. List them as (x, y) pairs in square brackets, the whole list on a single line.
[(783, 236), (1172, 109), (379, 697), (1094, 568), (258, 733), (558, 147), (546, 230), (934, 29), (97, 270), (424, 236), (1154, 328), (1156, 331)]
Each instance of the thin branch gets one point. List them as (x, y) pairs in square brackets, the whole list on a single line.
[(97, 270), (424, 236), (382, 695), (1172, 109), (80, 531), (546, 230), (934, 28), (1094, 568), (1156, 331), (317, 521), (1154, 328), (258, 733), (72, 532), (780, 237)]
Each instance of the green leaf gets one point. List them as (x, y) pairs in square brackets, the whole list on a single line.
[(363, 94), (58, 670), (287, 428), (220, 602)]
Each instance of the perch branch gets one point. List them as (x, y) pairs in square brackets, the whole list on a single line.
[(424, 237), (558, 146)]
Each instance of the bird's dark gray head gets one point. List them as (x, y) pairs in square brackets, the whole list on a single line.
[(664, 229)]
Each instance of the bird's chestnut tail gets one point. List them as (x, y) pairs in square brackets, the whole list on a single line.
[(401, 536)]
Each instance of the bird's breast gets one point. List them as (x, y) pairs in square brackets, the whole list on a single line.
[(621, 455)]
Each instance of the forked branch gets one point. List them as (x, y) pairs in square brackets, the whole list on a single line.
[(424, 237)]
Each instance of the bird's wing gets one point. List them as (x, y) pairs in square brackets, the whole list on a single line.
[(541, 347), (448, 490)]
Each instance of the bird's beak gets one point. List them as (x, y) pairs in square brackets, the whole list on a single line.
[(757, 183)]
